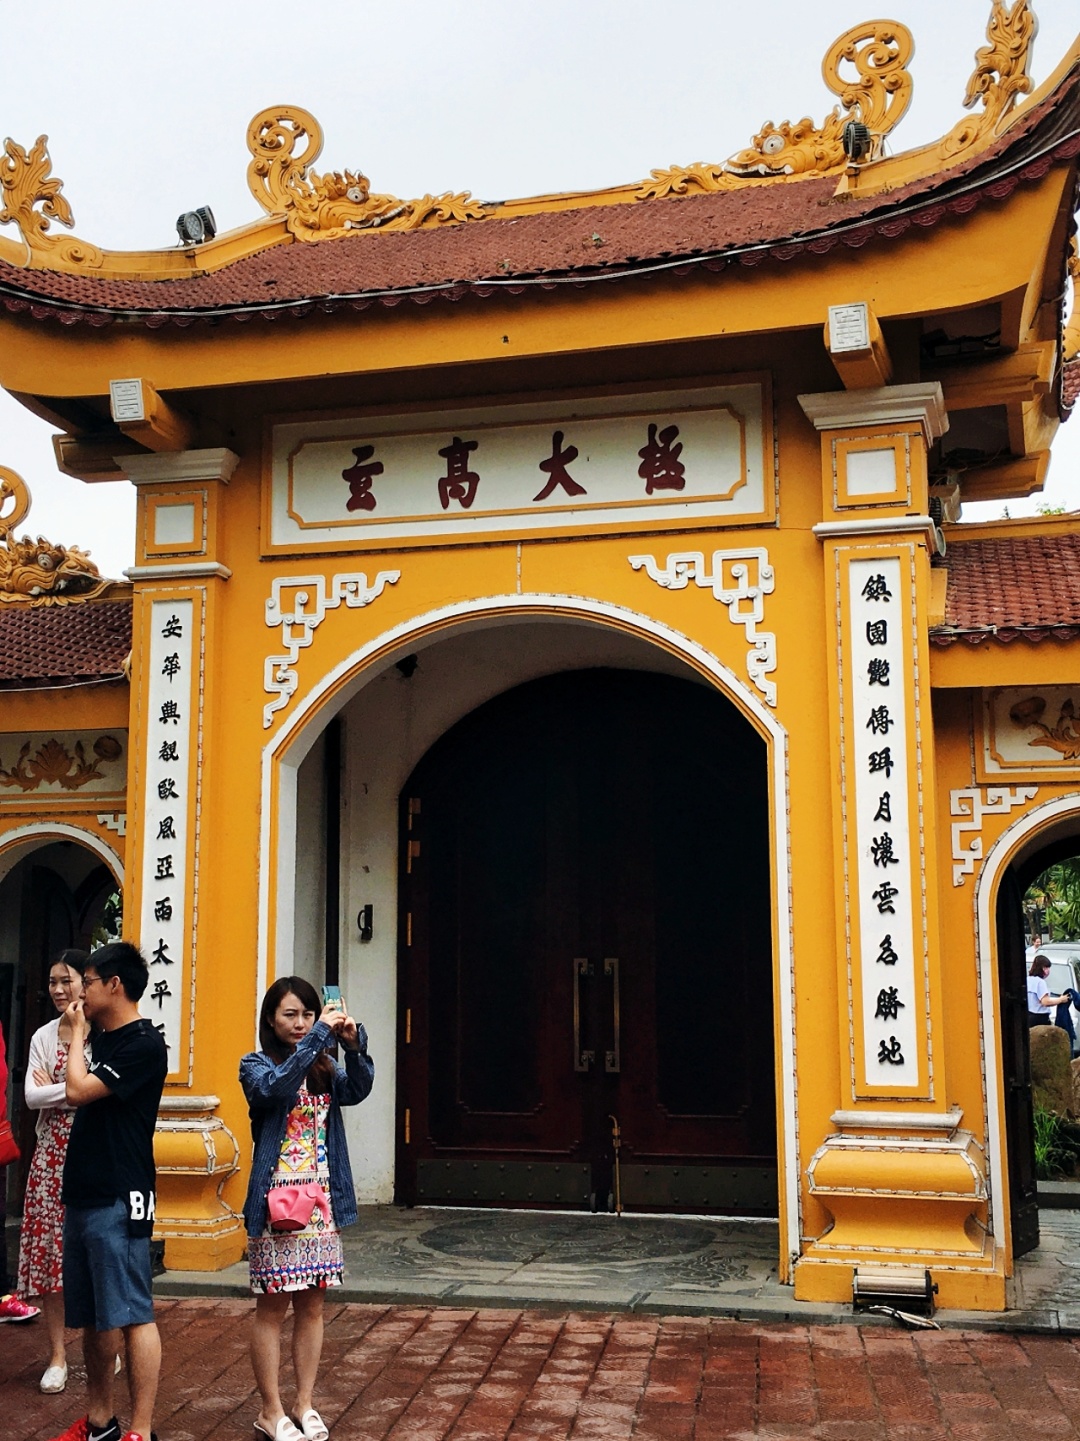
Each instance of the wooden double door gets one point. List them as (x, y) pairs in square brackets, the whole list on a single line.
[(585, 944)]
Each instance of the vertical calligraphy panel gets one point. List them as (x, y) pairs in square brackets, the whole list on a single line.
[(172, 664), (883, 826)]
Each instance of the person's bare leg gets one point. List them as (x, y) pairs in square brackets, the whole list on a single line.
[(307, 1339), (266, 1357), (144, 1368), (52, 1304), (99, 1353)]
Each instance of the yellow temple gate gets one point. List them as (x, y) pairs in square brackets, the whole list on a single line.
[(552, 622)]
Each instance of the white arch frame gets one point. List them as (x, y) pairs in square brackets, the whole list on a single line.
[(283, 753), (45, 832), (1001, 855)]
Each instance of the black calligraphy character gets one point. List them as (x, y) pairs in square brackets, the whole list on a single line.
[(168, 751), (165, 871), (882, 851), (880, 720), (884, 808), (170, 667), (165, 830), (876, 589), (556, 471), (661, 468), (877, 672), (885, 895), (881, 761), (161, 956), (163, 909), (886, 955), (160, 1028), (172, 629), (160, 991), (359, 476), (889, 1004), (170, 711), (877, 632), (890, 1051), (459, 483), (166, 790)]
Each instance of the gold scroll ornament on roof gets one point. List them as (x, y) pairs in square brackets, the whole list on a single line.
[(36, 572)]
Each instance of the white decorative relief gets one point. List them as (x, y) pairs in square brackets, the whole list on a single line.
[(740, 580), (303, 617), (969, 802), (117, 822)]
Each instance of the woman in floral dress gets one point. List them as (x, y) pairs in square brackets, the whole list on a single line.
[(295, 1092), (42, 1239)]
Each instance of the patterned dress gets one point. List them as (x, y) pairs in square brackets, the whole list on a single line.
[(41, 1244), (297, 1260)]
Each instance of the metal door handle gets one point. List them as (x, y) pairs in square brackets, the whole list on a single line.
[(613, 1058), (582, 1059)]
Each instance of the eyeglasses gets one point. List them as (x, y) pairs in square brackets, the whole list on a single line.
[(89, 980)]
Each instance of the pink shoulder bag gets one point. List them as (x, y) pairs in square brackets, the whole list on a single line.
[(291, 1207)]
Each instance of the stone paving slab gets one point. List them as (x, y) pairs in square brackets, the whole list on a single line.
[(415, 1373), (693, 1266)]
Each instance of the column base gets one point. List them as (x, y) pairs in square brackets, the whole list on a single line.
[(195, 1153)]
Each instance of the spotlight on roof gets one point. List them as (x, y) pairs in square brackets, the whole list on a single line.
[(195, 226), (857, 140)]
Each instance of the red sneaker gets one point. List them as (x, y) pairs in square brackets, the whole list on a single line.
[(80, 1431), (12, 1309)]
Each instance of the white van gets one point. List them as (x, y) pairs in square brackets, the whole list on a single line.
[(1064, 958)]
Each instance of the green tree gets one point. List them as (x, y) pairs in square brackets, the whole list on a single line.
[(1056, 894)]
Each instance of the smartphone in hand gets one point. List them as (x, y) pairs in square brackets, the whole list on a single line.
[(331, 996)]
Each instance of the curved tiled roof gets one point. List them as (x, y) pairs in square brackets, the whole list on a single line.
[(1012, 586), (580, 246), (58, 644)]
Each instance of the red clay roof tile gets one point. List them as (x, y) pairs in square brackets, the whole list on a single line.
[(559, 247), (1013, 586), (46, 645)]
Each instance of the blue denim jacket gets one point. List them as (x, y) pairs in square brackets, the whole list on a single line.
[(271, 1092)]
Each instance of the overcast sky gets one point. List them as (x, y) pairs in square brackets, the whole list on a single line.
[(146, 107)]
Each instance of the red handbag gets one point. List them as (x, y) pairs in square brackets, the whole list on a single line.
[(9, 1150), (291, 1207)]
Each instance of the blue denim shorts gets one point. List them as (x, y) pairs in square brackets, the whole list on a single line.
[(107, 1275)]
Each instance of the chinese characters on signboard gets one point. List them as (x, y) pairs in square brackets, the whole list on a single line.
[(172, 696), (879, 729), (703, 452)]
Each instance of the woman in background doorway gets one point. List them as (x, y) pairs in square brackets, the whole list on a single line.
[(42, 1242)]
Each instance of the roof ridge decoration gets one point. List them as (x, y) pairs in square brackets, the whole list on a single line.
[(38, 572), (324, 207), (1070, 346), (1001, 74), (32, 201), (878, 95), (285, 141)]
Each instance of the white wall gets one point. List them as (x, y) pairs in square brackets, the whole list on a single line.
[(388, 727)]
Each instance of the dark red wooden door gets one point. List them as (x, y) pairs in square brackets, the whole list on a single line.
[(586, 902)]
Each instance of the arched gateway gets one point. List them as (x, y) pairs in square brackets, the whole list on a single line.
[(590, 676)]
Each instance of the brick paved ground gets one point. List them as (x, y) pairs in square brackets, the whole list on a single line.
[(424, 1374)]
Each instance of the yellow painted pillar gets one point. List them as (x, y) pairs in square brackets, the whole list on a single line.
[(901, 1178), (178, 582)]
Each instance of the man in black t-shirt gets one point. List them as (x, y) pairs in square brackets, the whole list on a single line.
[(109, 1190)]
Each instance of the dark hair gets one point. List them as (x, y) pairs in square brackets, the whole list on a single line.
[(319, 1077), (73, 959), (121, 958), (1039, 965)]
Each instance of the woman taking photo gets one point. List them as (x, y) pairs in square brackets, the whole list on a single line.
[(42, 1241), (301, 1192)]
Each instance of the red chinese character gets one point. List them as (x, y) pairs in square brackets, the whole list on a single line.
[(555, 469), (661, 468), (458, 483), (360, 475)]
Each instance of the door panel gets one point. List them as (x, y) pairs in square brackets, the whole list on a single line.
[(1016, 1058), (586, 903)]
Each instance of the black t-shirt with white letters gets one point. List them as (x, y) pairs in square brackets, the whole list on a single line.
[(110, 1154)]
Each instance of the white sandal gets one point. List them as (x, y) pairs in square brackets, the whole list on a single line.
[(285, 1430), (313, 1426)]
